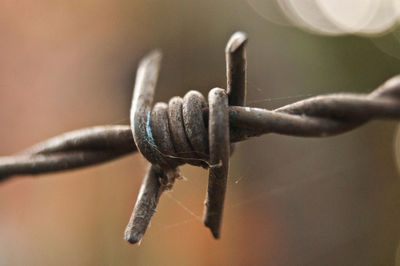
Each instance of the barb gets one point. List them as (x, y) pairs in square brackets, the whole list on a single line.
[(219, 158), (186, 130)]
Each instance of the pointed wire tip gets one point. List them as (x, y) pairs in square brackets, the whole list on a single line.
[(214, 231), (132, 237), (146, 77), (237, 40), (211, 223), (153, 57)]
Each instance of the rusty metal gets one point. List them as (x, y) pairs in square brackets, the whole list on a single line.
[(235, 56), (218, 128), (70, 150), (188, 130), (149, 194)]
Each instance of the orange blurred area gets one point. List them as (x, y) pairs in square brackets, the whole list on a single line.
[(65, 65)]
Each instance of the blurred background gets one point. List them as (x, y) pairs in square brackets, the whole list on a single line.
[(65, 65)]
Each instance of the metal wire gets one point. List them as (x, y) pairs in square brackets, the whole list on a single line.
[(188, 130), (320, 116)]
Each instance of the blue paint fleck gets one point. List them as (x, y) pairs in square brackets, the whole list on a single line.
[(149, 135)]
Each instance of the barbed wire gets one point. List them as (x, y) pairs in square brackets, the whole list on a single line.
[(190, 130)]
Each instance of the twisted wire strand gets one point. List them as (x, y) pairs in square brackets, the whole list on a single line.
[(188, 130), (320, 116)]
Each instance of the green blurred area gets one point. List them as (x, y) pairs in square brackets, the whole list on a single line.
[(291, 201)]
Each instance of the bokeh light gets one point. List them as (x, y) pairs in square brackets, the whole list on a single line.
[(374, 19), (332, 17)]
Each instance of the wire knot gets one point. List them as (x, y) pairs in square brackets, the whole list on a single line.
[(169, 135), (176, 133)]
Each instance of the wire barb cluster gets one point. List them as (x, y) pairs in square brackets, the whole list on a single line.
[(190, 130), (175, 133)]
